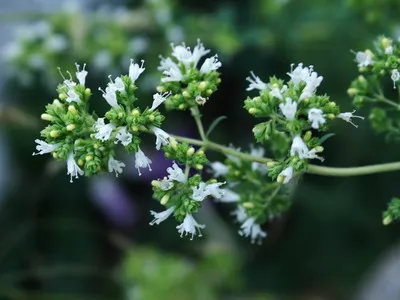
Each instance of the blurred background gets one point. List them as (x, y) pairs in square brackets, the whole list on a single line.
[(91, 239)]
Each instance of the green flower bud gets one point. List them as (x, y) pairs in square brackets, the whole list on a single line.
[(209, 92), (62, 96), (164, 199), (134, 128), (307, 136), (186, 94), (47, 117), (173, 143), (88, 157), (57, 103), (151, 117), (385, 42), (135, 113), (155, 183), (54, 133), (352, 92), (72, 109), (71, 127), (387, 220), (248, 205), (319, 149), (203, 85), (160, 89), (253, 111), (190, 151), (199, 167), (182, 106)]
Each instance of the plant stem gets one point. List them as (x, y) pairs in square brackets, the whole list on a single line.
[(196, 115), (312, 169)]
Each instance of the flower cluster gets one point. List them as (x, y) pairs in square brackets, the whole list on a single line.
[(293, 110), (190, 82)]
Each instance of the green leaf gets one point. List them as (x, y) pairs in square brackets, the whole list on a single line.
[(325, 137), (215, 124)]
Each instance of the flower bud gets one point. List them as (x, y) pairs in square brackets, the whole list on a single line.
[(190, 151), (54, 133), (280, 179), (253, 111), (55, 155), (209, 92), (160, 89), (164, 199), (199, 167), (186, 94), (72, 109), (88, 157), (200, 152), (387, 220), (151, 117), (182, 106), (47, 117), (271, 164), (330, 116), (385, 42), (319, 149), (203, 85), (57, 103), (155, 183), (80, 162), (120, 115), (88, 92), (173, 143), (248, 205), (307, 136), (134, 128), (135, 113), (71, 127), (352, 92), (62, 96)]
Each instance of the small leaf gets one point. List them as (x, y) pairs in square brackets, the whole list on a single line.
[(215, 124), (325, 137)]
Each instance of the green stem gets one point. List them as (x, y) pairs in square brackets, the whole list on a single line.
[(312, 169), (196, 115)]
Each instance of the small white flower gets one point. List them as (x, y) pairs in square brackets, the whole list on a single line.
[(255, 83), (364, 59), (118, 85), (287, 174), (103, 130), (81, 75), (198, 52), (214, 190), (347, 117), (141, 161), (316, 117), (229, 196), (289, 108), (312, 154), (200, 100), (251, 229), (277, 93), (72, 167), (161, 216), (162, 138), (219, 169), (176, 173), (210, 64), (200, 192), (44, 147), (166, 184), (182, 54), (240, 214), (158, 99), (172, 74), (73, 97), (69, 83), (123, 136), (299, 74), (115, 166), (312, 82), (166, 64), (190, 226), (110, 96), (135, 70), (298, 147), (389, 50), (395, 77)]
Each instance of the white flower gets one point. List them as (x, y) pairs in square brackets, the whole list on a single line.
[(229, 196), (299, 74), (69, 83), (72, 167), (135, 70), (103, 130), (115, 166), (166, 64), (176, 173), (316, 117), (286, 174), (166, 184), (255, 83), (158, 99), (200, 192), (364, 59), (277, 93), (347, 117), (251, 229), (81, 75), (214, 190), (190, 226), (110, 96), (198, 52), (389, 50), (161, 137), (298, 147), (123, 136), (182, 54), (173, 74), (256, 166), (161, 216), (44, 147), (219, 169), (210, 64), (200, 100), (240, 213), (141, 161), (289, 108), (395, 77), (118, 85), (312, 82), (73, 97), (312, 154)]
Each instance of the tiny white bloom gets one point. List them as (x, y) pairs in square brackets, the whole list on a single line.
[(81, 75), (73, 97), (364, 59), (198, 52), (166, 64), (110, 96), (69, 83), (240, 213), (135, 70), (190, 226), (289, 108), (395, 77), (182, 54), (219, 169), (172, 74), (141, 161), (347, 117), (44, 147), (123, 136), (200, 192), (298, 147), (158, 99), (162, 138), (200, 100), (312, 82), (176, 173), (287, 174), (214, 190), (118, 85), (72, 167), (103, 130), (229, 196), (277, 93), (299, 74), (312, 154), (166, 184), (210, 64), (251, 229), (389, 50), (115, 166), (316, 117), (161, 216), (255, 83)]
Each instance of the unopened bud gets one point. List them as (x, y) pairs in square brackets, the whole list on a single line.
[(88, 157), (71, 127), (330, 116), (200, 152), (271, 164), (199, 167), (209, 92), (57, 103), (155, 183), (352, 92), (332, 104), (186, 94), (160, 89), (182, 106), (88, 92), (164, 199), (307, 136), (173, 143), (72, 109), (253, 111), (134, 128), (248, 205), (190, 151), (203, 85), (369, 52), (135, 113), (151, 117), (387, 220), (47, 117), (280, 179), (319, 149), (80, 162), (62, 96), (54, 133), (385, 42)]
